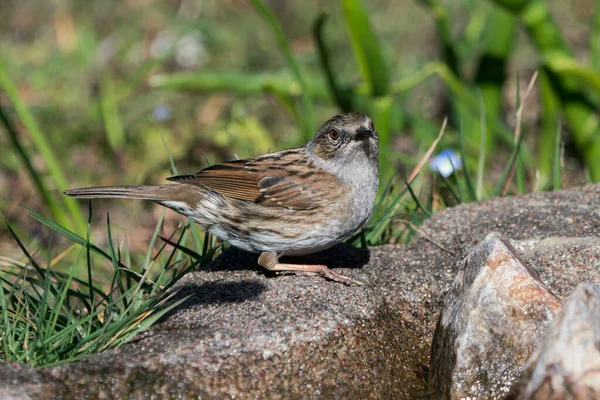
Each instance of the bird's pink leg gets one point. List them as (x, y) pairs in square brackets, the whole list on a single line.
[(270, 261)]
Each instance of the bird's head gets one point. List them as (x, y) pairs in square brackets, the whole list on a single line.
[(345, 138)]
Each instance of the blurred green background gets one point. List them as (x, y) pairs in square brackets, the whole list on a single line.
[(93, 92)]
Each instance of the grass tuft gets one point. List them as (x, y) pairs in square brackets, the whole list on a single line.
[(49, 317)]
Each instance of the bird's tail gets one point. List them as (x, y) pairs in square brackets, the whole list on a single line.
[(143, 192)]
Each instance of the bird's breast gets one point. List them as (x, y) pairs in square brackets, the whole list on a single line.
[(364, 183)]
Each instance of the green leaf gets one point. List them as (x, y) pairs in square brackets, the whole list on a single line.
[(342, 97), (482, 149), (46, 152), (565, 65), (240, 83), (556, 164), (307, 120), (366, 48), (109, 108)]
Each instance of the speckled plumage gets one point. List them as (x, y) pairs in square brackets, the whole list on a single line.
[(292, 202)]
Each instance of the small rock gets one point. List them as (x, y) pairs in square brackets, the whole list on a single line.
[(493, 316), (567, 363)]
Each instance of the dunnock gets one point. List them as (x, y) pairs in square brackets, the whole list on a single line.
[(292, 202)]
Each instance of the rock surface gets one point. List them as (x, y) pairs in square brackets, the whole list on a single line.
[(244, 334), (493, 317), (567, 364)]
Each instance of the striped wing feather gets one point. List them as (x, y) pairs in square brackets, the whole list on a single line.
[(285, 179)]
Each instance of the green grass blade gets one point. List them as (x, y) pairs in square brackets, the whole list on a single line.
[(453, 192), (442, 23), (39, 270), (556, 160), (499, 38), (109, 109), (241, 83), (42, 145), (307, 123), (467, 176), (567, 66), (507, 171), (208, 249), (386, 193), (183, 249), (35, 176), (170, 156), (550, 119), (520, 172), (342, 98), (366, 48), (36, 281), (72, 236), (115, 262), (42, 314), (581, 113), (87, 245), (76, 325), (138, 327), (4, 343), (61, 299), (198, 243), (482, 148), (157, 230), (43, 329), (416, 199), (520, 175), (464, 96), (382, 115), (182, 240)]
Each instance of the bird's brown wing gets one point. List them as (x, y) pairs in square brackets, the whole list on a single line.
[(285, 179), (231, 179)]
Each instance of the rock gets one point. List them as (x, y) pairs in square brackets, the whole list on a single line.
[(561, 215), (493, 316), (567, 363), (243, 334), (246, 334), (13, 387)]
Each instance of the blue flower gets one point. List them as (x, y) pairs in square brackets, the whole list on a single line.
[(446, 162), (162, 112)]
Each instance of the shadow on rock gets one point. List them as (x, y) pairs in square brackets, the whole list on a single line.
[(221, 292), (216, 293), (340, 256)]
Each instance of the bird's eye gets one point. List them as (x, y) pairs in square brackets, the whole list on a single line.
[(334, 135), (372, 126)]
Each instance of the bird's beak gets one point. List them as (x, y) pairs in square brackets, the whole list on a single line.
[(365, 134)]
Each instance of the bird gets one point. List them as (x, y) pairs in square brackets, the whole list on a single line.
[(291, 202)]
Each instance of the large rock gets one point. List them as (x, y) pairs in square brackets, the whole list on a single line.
[(244, 334), (493, 317), (567, 364)]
